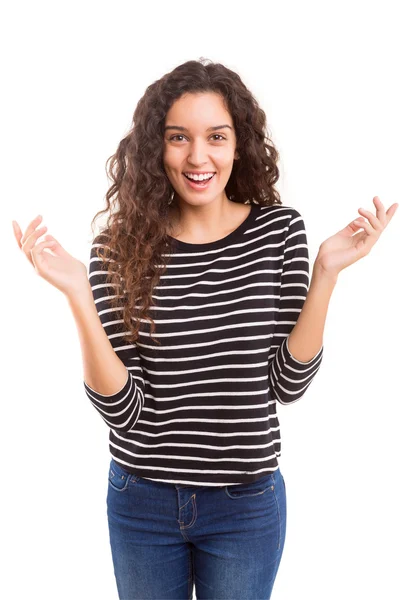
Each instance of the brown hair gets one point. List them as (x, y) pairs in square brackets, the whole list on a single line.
[(136, 230)]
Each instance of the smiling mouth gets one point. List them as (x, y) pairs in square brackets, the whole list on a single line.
[(199, 183), (190, 179)]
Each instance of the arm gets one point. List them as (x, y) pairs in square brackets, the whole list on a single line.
[(335, 254), (306, 338), (289, 374), (113, 378)]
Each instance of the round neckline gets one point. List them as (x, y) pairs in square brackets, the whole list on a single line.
[(180, 245)]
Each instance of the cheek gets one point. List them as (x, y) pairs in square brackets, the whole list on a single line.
[(171, 161), (167, 155), (223, 160), (225, 167), (168, 160)]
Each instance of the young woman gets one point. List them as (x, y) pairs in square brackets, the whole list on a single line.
[(197, 319)]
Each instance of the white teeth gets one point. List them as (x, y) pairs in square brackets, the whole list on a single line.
[(201, 177)]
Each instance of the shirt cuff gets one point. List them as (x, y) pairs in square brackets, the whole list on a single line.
[(289, 358), (117, 396)]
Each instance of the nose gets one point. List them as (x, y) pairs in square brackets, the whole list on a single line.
[(197, 154)]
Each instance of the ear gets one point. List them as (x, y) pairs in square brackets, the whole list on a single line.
[(237, 156)]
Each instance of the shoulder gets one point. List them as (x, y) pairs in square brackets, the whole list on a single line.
[(101, 242), (101, 238), (288, 216)]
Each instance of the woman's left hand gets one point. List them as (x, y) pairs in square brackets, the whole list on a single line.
[(343, 249)]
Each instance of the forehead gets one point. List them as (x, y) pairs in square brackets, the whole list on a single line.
[(198, 111)]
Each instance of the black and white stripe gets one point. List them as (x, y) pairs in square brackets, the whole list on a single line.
[(200, 408)]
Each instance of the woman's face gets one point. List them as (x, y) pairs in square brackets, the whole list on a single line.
[(199, 136)]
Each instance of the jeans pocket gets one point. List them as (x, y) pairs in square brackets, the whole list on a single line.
[(254, 488), (118, 478)]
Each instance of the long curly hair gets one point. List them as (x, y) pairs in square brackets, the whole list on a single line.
[(135, 237)]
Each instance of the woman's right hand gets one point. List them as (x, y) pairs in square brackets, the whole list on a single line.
[(65, 272)]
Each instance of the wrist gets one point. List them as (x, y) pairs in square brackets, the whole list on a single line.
[(80, 293), (322, 274)]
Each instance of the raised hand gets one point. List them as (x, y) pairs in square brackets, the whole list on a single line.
[(62, 270), (344, 248)]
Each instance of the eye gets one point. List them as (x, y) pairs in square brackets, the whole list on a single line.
[(172, 138)]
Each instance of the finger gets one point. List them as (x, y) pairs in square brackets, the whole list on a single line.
[(37, 251), (38, 248), (391, 211), (31, 227), (361, 224), (354, 225), (380, 209), (376, 222), (17, 232), (57, 248), (30, 242), (32, 238)]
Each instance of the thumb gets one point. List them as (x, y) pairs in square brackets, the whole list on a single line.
[(351, 228), (57, 248)]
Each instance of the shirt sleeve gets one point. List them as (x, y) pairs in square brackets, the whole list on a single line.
[(121, 410), (289, 377)]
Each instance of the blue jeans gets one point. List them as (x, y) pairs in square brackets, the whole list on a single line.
[(165, 538)]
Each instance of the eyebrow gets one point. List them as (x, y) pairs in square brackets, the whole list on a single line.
[(185, 129)]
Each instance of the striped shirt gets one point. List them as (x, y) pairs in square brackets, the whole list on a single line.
[(201, 408)]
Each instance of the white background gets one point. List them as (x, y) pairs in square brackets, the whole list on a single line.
[(326, 75)]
